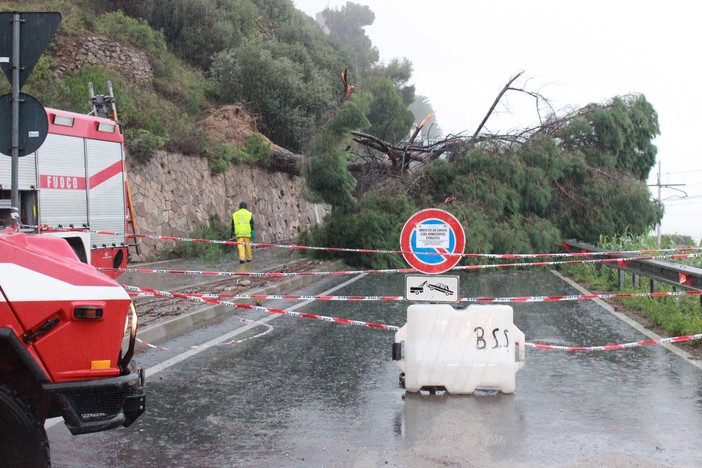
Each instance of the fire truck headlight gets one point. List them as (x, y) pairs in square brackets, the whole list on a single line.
[(131, 318), (131, 325)]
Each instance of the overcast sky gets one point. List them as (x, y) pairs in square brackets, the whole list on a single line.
[(572, 52)]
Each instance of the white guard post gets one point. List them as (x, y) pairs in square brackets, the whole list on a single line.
[(460, 350)]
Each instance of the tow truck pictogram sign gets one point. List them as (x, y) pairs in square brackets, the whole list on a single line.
[(427, 235), (431, 288)]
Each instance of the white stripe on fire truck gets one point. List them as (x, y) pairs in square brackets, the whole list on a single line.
[(24, 285)]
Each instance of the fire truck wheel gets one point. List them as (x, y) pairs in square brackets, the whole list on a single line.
[(23, 441)]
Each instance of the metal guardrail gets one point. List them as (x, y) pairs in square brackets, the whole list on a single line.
[(680, 276)]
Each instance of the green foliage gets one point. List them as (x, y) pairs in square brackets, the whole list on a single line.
[(276, 11), (139, 109), (389, 117), (255, 152), (295, 70), (326, 175), (630, 241), (604, 207), (511, 237), (196, 29), (220, 157), (533, 194), (184, 136), (621, 132), (325, 171), (183, 85), (258, 150), (215, 229), (76, 86), (163, 117), (678, 240), (42, 83), (320, 54), (477, 227), (271, 78), (437, 179), (351, 116), (135, 111), (142, 144), (261, 52), (131, 31), (376, 225), (398, 71)]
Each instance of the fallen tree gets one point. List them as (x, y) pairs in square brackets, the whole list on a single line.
[(397, 158), (579, 174)]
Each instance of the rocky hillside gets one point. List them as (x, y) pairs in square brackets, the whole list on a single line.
[(174, 194)]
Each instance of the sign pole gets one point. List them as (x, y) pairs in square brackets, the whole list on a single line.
[(14, 196)]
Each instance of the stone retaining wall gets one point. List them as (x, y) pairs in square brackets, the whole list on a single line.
[(132, 63), (173, 194)]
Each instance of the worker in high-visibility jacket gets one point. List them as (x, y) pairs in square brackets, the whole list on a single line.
[(243, 231)]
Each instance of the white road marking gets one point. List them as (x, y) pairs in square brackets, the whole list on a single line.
[(226, 337), (633, 323)]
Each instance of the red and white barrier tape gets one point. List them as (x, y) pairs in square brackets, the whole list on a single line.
[(378, 251), (399, 252), (258, 274), (614, 347), (618, 261), (285, 297), (136, 292), (609, 347), (264, 309)]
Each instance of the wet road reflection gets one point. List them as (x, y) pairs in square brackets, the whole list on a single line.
[(319, 394)]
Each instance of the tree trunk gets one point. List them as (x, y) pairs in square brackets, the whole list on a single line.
[(283, 160)]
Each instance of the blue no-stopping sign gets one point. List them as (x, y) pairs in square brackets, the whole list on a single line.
[(427, 235)]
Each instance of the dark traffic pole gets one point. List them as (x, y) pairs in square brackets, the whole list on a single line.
[(14, 195)]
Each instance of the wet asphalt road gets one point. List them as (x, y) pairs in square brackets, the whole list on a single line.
[(311, 393)]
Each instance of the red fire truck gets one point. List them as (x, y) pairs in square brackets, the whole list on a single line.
[(74, 185), (67, 331), (63, 350)]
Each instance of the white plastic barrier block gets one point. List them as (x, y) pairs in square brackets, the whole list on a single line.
[(460, 350)]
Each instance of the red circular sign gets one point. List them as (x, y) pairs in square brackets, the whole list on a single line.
[(428, 234)]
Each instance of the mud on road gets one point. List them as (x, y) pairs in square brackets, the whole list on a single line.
[(153, 309)]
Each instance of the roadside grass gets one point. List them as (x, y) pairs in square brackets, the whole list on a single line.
[(215, 229), (681, 315)]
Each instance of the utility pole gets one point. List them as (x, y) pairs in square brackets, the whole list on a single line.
[(659, 185)]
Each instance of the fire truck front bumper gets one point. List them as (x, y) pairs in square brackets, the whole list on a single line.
[(99, 405)]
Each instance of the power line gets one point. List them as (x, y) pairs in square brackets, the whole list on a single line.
[(672, 199), (675, 205), (683, 172)]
